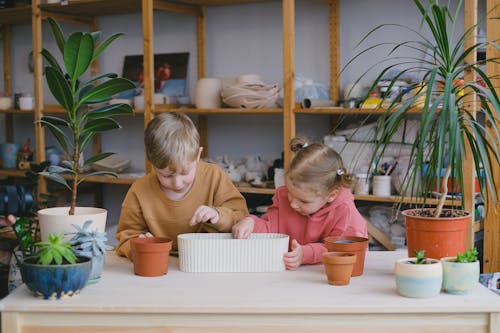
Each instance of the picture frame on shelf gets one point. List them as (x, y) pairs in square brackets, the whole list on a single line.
[(170, 74)]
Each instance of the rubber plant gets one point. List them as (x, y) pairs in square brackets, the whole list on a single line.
[(82, 122), (449, 128)]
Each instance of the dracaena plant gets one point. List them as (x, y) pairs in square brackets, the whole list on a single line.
[(75, 131), (449, 128)]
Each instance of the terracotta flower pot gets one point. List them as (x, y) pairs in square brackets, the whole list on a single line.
[(438, 236), (150, 255), (339, 267), (351, 244)]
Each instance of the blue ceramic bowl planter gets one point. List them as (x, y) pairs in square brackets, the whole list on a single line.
[(55, 281)]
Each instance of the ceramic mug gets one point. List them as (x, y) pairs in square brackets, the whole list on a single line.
[(26, 103)]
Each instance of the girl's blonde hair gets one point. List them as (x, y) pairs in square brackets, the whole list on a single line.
[(317, 167), (171, 140)]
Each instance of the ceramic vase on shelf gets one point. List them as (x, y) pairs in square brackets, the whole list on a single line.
[(339, 267), (207, 93), (150, 255), (349, 244)]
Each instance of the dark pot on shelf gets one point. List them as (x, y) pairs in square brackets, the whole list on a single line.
[(351, 244)]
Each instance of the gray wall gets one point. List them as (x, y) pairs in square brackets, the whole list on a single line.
[(241, 39)]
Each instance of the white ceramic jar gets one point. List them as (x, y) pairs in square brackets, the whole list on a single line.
[(207, 93)]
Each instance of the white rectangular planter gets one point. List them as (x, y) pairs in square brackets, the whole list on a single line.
[(221, 253)]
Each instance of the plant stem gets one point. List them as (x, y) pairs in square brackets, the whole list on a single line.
[(444, 191)]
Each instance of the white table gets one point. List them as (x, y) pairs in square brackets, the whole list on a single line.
[(289, 301)]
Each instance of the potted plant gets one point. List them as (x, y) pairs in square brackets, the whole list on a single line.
[(81, 123), (418, 277), (449, 130), (49, 269), (461, 273), (339, 267), (91, 244)]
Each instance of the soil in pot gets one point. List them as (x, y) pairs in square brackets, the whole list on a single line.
[(339, 267), (150, 255), (350, 244)]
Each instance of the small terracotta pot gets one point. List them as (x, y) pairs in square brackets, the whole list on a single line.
[(150, 255), (350, 244), (339, 267)]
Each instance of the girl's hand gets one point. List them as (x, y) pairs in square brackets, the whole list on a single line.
[(293, 259), (243, 229), (204, 214)]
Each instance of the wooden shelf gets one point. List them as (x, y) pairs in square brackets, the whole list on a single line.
[(13, 111), (397, 199), (339, 110), (255, 190), (16, 15), (167, 108), (13, 173)]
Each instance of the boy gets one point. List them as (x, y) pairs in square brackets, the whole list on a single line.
[(182, 194)]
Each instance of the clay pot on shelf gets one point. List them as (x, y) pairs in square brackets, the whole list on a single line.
[(350, 244), (339, 267), (150, 255)]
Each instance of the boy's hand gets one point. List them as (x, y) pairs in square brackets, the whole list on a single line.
[(204, 214), (147, 234), (244, 228), (293, 259), (7, 222)]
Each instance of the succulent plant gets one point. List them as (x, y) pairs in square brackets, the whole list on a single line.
[(54, 251), (88, 243)]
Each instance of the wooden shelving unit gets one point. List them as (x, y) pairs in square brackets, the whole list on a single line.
[(88, 11)]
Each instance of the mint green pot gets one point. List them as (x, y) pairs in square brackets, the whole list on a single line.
[(459, 278)]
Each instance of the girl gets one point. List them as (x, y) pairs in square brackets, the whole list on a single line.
[(315, 203)]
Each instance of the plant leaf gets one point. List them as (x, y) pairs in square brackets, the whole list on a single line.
[(78, 54), (59, 87)]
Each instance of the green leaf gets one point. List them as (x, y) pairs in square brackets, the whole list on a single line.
[(51, 60), (107, 90), (52, 124), (78, 54), (57, 33), (105, 44), (97, 78), (59, 88), (110, 110), (100, 125), (96, 158), (57, 178)]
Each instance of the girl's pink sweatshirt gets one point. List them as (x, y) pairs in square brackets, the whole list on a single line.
[(338, 218)]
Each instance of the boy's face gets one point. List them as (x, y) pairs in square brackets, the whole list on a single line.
[(178, 182)]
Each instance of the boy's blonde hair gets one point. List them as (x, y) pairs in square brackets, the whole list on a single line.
[(316, 167), (171, 140)]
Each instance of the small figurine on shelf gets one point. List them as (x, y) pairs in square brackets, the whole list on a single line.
[(25, 156)]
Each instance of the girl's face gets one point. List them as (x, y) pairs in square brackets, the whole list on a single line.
[(306, 201)]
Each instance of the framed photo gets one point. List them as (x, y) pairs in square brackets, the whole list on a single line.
[(170, 73)]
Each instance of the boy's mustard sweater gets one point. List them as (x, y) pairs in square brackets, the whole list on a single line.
[(146, 208)]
